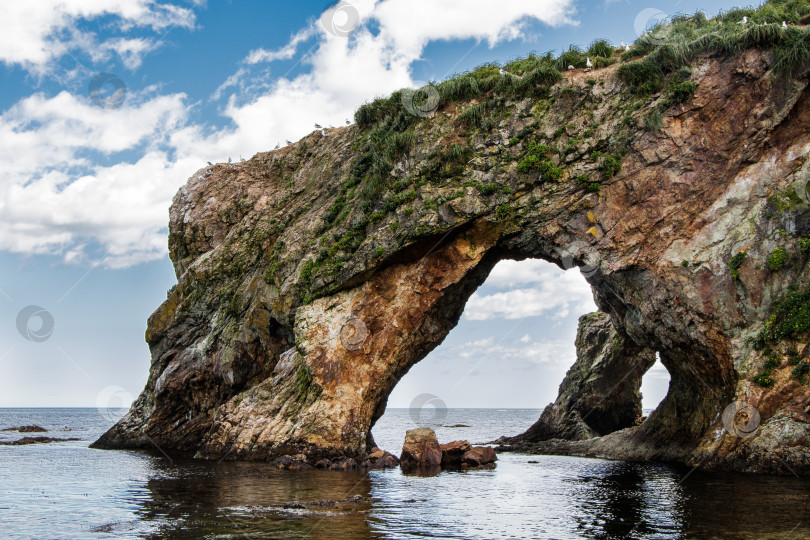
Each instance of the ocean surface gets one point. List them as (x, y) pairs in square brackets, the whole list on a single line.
[(67, 490)]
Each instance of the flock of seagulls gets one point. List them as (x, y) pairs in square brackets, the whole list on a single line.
[(744, 20), (324, 132)]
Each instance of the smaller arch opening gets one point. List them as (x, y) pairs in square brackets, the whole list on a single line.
[(654, 386)]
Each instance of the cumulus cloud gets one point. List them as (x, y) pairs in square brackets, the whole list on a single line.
[(35, 33), (78, 175), (553, 292)]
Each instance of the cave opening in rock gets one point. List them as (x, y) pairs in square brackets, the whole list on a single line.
[(513, 345)]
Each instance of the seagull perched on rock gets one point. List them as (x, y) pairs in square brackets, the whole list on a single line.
[(210, 164), (571, 68), (784, 25), (622, 44), (324, 132), (289, 142), (627, 48), (501, 71), (317, 126), (588, 63), (348, 122), (241, 159), (278, 145), (229, 159), (744, 20)]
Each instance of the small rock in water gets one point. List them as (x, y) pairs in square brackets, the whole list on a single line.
[(28, 429), (421, 448), (35, 440), (452, 452), (479, 456)]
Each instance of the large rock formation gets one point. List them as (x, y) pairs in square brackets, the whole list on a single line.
[(312, 278), (600, 393)]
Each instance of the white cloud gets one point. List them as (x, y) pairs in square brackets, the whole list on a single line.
[(555, 294), (35, 33), (557, 352), (60, 194), (285, 53)]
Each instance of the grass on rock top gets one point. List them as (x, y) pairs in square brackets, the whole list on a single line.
[(478, 100)]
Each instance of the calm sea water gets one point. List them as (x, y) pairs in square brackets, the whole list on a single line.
[(66, 490)]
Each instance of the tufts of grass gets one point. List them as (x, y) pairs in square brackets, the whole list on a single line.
[(474, 116), (654, 121), (457, 88), (601, 47)]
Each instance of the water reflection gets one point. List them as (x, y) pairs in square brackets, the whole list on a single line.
[(69, 491), (193, 499)]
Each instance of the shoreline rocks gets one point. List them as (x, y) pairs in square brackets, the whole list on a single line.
[(27, 429), (423, 451)]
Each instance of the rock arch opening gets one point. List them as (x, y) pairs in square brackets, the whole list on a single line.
[(511, 349), (654, 386)]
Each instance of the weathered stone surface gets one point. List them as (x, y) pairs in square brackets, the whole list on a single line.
[(600, 393), (478, 455), (380, 459), (452, 453), (289, 327), (421, 449)]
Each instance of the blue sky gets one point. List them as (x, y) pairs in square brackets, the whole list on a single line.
[(87, 184)]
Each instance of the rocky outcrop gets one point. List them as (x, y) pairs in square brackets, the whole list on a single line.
[(600, 393), (312, 278), (421, 449), (452, 452)]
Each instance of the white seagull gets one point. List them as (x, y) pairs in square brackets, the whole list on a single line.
[(317, 126), (278, 145), (744, 20), (627, 48), (289, 142), (501, 71), (588, 63), (229, 159), (348, 122), (784, 25), (622, 45), (571, 68), (210, 164)]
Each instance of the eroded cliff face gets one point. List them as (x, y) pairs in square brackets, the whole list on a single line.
[(298, 308)]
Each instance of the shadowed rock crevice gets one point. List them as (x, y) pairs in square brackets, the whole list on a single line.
[(309, 282)]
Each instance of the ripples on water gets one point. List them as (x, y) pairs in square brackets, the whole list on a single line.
[(66, 490)]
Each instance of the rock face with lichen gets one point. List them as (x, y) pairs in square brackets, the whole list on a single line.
[(312, 278)]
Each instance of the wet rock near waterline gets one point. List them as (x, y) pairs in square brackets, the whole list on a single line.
[(479, 456), (421, 449), (380, 459), (35, 440), (424, 452), (376, 459), (27, 429), (452, 453)]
